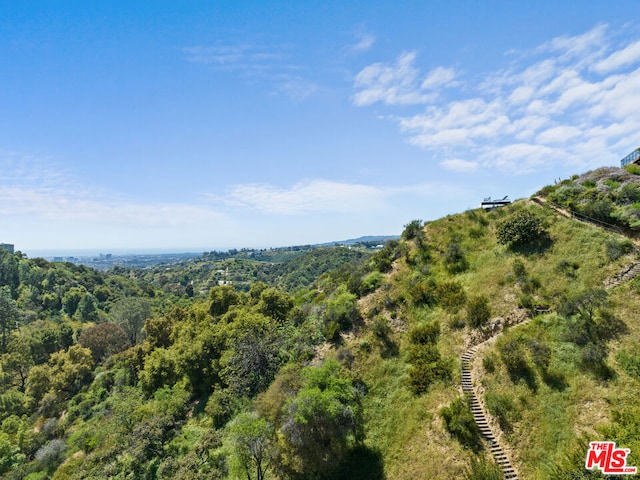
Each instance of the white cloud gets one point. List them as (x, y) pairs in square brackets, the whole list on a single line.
[(459, 165), (439, 77), (390, 84), (558, 135), (267, 64), (295, 87), (540, 111), (38, 188), (581, 48), (364, 41), (621, 58), (314, 196)]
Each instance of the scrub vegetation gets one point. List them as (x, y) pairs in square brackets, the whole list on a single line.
[(335, 363)]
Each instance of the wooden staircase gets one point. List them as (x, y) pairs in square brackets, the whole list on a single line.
[(466, 358), (624, 276), (480, 416)]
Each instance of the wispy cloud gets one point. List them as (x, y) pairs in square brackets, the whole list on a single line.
[(538, 111), (458, 165), (363, 42), (271, 65), (320, 196), (241, 57), (38, 188), (313, 196), (400, 83)]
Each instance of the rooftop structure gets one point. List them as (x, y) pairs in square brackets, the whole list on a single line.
[(633, 157), (489, 204)]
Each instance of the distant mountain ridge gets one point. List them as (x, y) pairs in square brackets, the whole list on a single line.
[(363, 239)]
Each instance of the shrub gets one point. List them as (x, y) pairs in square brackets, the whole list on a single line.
[(454, 259), (629, 193), (599, 209), (483, 469), (540, 354), (521, 229), (457, 323), (478, 311), (489, 363), (451, 296), (502, 407), (371, 282), (422, 291), (425, 334), (567, 268), (413, 230), (427, 367), (630, 363), (633, 169), (515, 359), (615, 248), (460, 423), (51, 454)]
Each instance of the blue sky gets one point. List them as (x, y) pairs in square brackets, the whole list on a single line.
[(207, 125)]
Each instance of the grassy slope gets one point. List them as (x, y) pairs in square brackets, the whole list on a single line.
[(548, 423)]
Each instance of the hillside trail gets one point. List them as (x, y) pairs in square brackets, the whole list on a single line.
[(630, 271), (492, 434)]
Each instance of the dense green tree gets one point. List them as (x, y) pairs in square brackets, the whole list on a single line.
[(87, 308), (131, 313), (221, 298), (16, 363), (104, 340), (62, 376), (9, 272), (321, 422), (9, 315), (254, 356), (72, 298), (252, 440), (275, 304)]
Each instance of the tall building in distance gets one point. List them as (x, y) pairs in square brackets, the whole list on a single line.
[(7, 246)]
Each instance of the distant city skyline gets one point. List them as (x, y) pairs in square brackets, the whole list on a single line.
[(194, 126)]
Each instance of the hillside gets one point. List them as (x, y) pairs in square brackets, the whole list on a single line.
[(340, 364)]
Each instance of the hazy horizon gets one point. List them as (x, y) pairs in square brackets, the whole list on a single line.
[(276, 122)]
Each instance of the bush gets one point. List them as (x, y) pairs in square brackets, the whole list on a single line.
[(478, 311), (451, 296), (413, 230), (371, 282), (615, 248), (427, 367), (51, 454), (422, 292), (460, 423), (633, 169), (515, 359), (425, 334), (489, 363), (502, 407), (483, 469), (454, 259), (630, 362), (521, 229)]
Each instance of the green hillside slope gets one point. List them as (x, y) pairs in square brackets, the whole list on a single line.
[(352, 374)]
